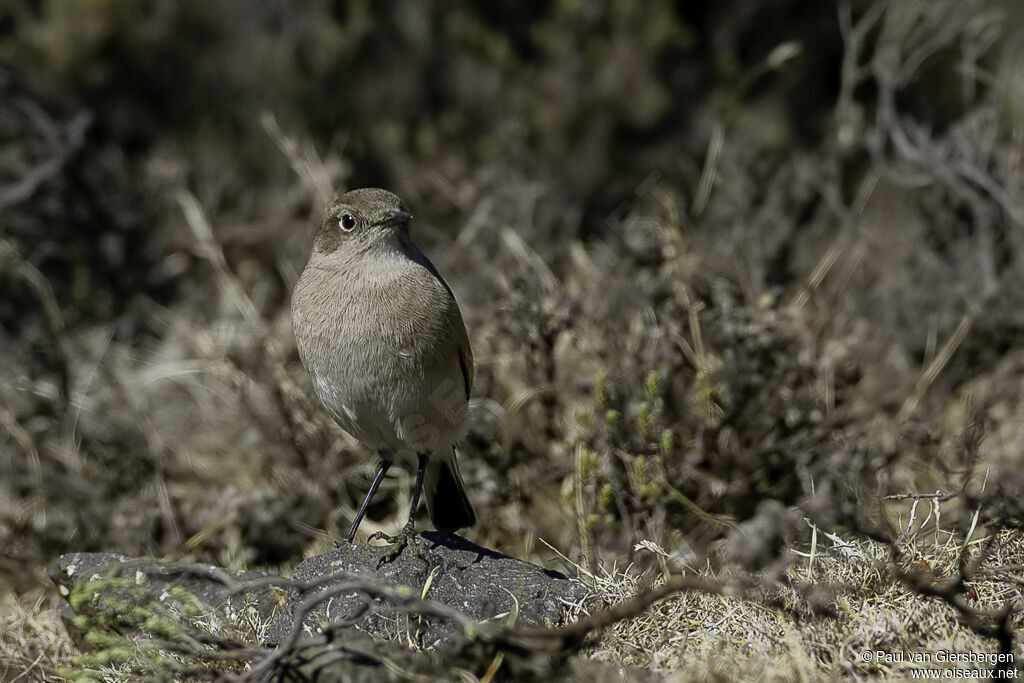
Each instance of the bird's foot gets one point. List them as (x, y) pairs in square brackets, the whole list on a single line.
[(398, 543)]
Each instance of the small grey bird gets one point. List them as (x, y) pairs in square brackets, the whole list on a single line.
[(382, 337)]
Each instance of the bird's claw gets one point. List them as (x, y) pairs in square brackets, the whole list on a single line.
[(398, 543)]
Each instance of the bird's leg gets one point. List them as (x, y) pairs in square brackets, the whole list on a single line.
[(401, 540), (382, 469), (417, 488)]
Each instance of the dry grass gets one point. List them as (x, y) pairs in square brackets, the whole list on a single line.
[(820, 619), (33, 642), (815, 621), (697, 320)]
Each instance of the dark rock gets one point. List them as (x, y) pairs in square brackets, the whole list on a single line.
[(484, 585), (358, 622), (211, 584)]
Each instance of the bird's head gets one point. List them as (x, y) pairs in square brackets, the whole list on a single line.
[(360, 219)]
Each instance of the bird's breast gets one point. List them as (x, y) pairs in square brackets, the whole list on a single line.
[(381, 355)]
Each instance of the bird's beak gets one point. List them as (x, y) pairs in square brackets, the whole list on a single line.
[(395, 218)]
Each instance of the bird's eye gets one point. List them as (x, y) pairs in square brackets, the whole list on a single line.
[(347, 222)]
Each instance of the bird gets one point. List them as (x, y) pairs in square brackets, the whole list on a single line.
[(382, 337)]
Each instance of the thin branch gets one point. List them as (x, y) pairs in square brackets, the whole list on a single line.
[(66, 144), (941, 497), (41, 289)]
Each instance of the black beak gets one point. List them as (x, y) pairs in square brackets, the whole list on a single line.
[(395, 217)]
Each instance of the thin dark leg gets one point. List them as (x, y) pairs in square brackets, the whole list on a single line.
[(399, 542), (377, 479), (421, 469)]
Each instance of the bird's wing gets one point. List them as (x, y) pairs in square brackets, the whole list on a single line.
[(465, 350), (454, 322)]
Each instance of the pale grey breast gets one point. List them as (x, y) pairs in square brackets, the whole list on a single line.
[(383, 343)]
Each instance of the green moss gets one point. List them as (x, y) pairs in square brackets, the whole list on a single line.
[(704, 389), (586, 464), (640, 469), (652, 385), (584, 417), (644, 419), (112, 606), (77, 675), (84, 592), (601, 388), (108, 656), (187, 602), (159, 625), (650, 493), (667, 441), (605, 498)]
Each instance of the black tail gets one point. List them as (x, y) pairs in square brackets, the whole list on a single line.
[(447, 503)]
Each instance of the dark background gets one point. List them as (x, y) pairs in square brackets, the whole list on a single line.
[(720, 262)]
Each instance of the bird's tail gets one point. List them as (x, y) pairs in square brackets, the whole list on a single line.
[(447, 504)]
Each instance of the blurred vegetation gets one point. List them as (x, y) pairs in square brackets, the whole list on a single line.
[(723, 264)]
